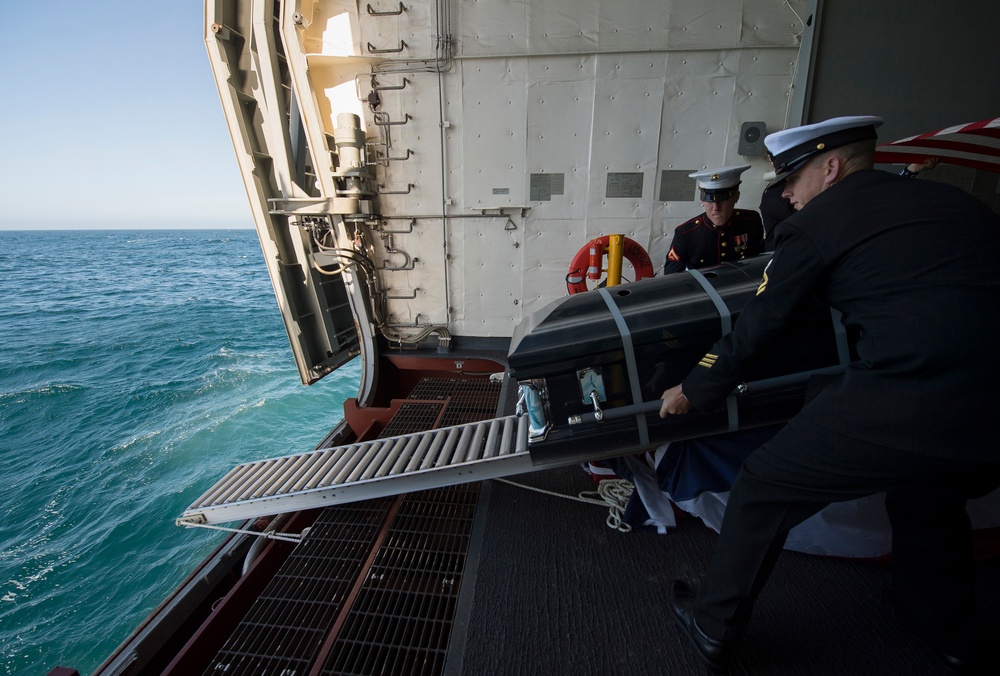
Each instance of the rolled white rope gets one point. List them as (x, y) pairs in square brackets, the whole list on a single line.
[(613, 493)]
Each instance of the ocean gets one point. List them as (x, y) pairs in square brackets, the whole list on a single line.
[(136, 368)]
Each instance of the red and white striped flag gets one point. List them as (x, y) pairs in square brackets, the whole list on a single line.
[(975, 145)]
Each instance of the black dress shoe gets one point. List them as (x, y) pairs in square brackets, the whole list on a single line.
[(957, 664), (711, 652)]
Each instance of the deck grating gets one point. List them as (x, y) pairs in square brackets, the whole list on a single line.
[(288, 622), (400, 622), (470, 400), (412, 417)]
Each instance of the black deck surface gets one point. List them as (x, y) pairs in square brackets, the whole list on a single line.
[(559, 592)]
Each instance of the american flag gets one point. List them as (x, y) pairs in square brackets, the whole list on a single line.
[(976, 145)]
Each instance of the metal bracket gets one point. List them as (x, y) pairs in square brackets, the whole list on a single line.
[(381, 230), (225, 33), (399, 159), (384, 161), (409, 186), (372, 12), (372, 49), (383, 120), (388, 296), (502, 211), (598, 413), (386, 88), (410, 264)]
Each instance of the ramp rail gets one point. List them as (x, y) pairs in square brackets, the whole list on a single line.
[(430, 459)]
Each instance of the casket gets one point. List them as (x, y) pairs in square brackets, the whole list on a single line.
[(592, 366)]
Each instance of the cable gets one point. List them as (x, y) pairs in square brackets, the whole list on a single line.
[(614, 494)]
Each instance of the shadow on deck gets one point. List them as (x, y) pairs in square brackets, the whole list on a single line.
[(558, 592)]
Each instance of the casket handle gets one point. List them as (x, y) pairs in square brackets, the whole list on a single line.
[(743, 388)]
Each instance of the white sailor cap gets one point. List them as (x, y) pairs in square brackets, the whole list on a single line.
[(791, 148), (719, 184)]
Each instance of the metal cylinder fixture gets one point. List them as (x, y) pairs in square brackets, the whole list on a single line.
[(532, 402), (615, 243), (350, 141)]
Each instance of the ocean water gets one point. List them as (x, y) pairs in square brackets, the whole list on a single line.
[(136, 368)]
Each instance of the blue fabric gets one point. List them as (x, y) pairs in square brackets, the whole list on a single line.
[(694, 466), (635, 513), (708, 464)]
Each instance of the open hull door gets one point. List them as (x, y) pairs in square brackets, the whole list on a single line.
[(319, 289)]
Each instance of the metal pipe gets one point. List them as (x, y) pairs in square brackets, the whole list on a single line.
[(754, 386), (615, 248)]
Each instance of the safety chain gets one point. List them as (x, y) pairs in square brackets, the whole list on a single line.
[(614, 494)]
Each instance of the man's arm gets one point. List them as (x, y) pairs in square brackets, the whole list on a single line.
[(677, 257), (789, 280), (911, 170), (674, 402)]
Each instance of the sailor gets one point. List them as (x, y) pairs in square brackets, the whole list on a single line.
[(913, 414), (722, 233), (773, 208)]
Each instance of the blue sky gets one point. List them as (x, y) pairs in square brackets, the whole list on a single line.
[(109, 117)]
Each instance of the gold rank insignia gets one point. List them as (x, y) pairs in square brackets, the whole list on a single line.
[(763, 282), (708, 360), (763, 285)]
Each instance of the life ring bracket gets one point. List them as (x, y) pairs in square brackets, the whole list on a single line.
[(589, 261)]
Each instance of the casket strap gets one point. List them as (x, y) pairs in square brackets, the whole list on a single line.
[(726, 317), (633, 371), (720, 305)]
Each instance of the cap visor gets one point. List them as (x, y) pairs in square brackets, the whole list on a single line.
[(789, 169), (777, 180)]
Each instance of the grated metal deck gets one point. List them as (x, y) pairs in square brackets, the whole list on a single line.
[(372, 589), (401, 619), (374, 586)]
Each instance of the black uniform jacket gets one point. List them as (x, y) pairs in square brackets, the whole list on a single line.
[(913, 266), (773, 210), (698, 244)]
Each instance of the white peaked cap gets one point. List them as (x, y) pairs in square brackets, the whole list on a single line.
[(789, 149), (719, 184)]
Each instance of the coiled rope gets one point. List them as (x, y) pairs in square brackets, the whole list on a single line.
[(613, 493)]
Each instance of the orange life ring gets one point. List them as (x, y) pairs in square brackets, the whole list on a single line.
[(588, 262)]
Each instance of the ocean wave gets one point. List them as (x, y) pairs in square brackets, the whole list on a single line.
[(123, 405), (138, 439), (38, 392)]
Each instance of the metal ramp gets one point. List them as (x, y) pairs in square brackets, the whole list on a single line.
[(372, 469)]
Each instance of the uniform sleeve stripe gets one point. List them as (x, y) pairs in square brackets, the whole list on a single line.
[(708, 360)]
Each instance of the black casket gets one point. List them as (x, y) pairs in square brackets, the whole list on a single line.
[(592, 366)]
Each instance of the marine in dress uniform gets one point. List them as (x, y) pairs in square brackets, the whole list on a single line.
[(722, 233), (913, 415)]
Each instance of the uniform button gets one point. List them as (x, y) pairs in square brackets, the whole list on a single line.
[(723, 244)]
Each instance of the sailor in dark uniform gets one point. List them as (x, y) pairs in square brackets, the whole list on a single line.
[(722, 233), (773, 210), (913, 415)]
